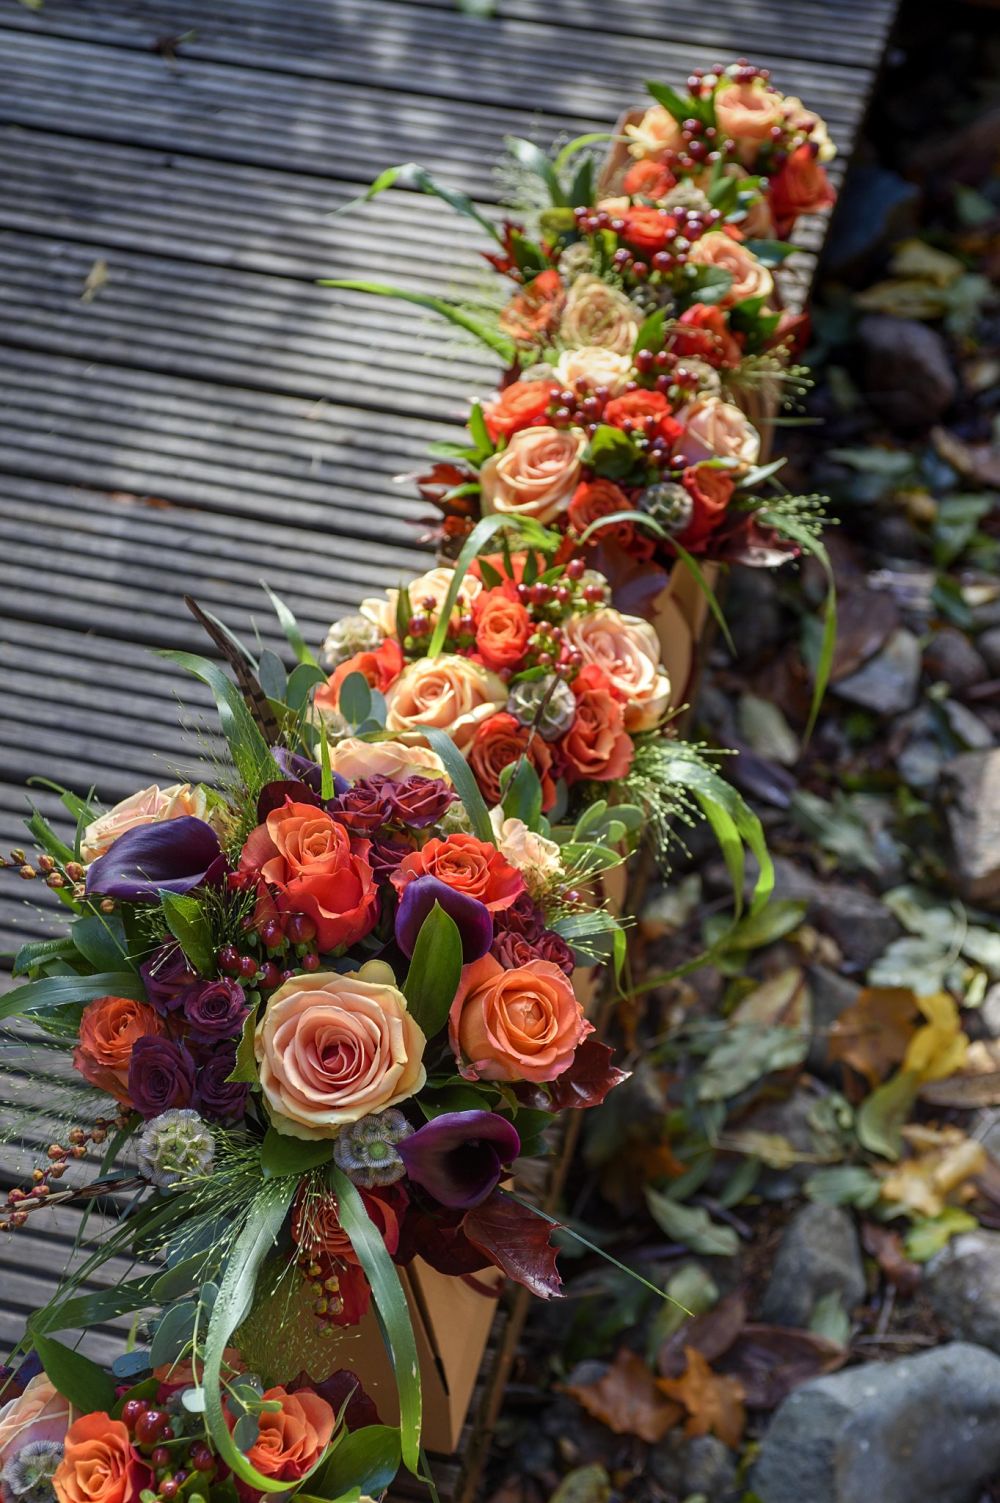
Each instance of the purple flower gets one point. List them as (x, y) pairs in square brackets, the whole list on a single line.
[(552, 946), (385, 855), (459, 1157), (173, 856), (474, 920), (273, 796), (523, 917), (166, 975), (512, 950), (364, 808), (160, 1076), (302, 770), (418, 801), (218, 1097), (215, 1009)]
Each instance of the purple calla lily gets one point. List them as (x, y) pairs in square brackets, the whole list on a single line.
[(173, 856), (273, 795), (474, 920), (302, 770), (459, 1157)]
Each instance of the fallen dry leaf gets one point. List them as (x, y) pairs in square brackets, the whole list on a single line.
[(976, 1085), (714, 1402), (711, 1334), (977, 462), (628, 1400), (873, 1034), (944, 1162), (886, 1247), (770, 1361), (938, 1048), (97, 280)]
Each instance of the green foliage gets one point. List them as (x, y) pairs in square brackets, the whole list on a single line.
[(435, 971)]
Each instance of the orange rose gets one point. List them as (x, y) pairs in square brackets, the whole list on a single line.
[(646, 228), (467, 865), (656, 134), (500, 741), (317, 1229), (533, 313), (503, 627), (648, 179), (354, 759), (747, 111), (381, 668), (647, 411), (109, 1029), (702, 332), (518, 406), (449, 691), (535, 475), (749, 277), (594, 499), (522, 1024), (711, 490), (800, 187), (334, 1048), (317, 869), (596, 746), (291, 1441), (99, 1464)]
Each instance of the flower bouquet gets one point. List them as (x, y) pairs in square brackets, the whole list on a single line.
[(644, 348), (331, 997)]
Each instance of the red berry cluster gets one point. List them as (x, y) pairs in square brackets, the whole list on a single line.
[(579, 406), (549, 604), (668, 374), (287, 936), (151, 1433)]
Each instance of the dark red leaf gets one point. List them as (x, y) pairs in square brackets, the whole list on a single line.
[(516, 1240), (588, 1080), (772, 1360), (711, 1334)]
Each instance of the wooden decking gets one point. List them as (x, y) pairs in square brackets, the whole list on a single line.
[(204, 415)]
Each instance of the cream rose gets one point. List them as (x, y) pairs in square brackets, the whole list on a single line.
[(747, 111), (427, 593), (656, 134), (750, 277), (536, 475), (535, 857), (717, 430), (333, 1048), (598, 315), (40, 1413), (449, 692), (596, 366), (627, 651), (150, 806), (355, 759)]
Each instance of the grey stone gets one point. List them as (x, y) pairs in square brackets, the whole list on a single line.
[(862, 925), (888, 682), (908, 376), (709, 1468), (971, 790), (963, 1283), (951, 657), (988, 644), (925, 1429), (877, 207), (818, 1255), (989, 1011), (830, 995)]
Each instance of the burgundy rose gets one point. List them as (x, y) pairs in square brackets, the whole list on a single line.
[(386, 854), (344, 1394), (218, 1097), (552, 946), (513, 950), (418, 802), (273, 796), (215, 1009), (364, 807), (160, 1076), (523, 917), (166, 975)]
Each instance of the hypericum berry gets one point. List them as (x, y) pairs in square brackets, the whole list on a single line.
[(228, 958), (643, 359), (575, 568), (247, 968), (149, 1426), (201, 1458), (301, 928), (310, 961), (169, 1488), (131, 1411), (160, 1457), (271, 933), (270, 975), (418, 626)]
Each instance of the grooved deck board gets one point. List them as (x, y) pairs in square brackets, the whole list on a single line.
[(212, 416)]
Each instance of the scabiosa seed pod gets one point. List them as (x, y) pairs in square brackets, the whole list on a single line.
[(174, 1147), (27, 1475), (667, 503), (349, 635), (366, 1149), (686, 195), (548, 704)]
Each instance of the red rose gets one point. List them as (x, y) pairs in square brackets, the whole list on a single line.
[(503, 627), (535, 312), (522, 405), (648, 179), (316, 868), (702, 331), (500, 741), (646, 228), (800, 186), (594, 499), (596, 745), (316, 1227), (381, 668), (711, 490), (466, 864), (645, 410)]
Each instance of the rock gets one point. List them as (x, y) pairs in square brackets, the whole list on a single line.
[(907, 373), (951, 657), (819, 1255), (701, 1465), (791, 1119), (876, 207), (830, 995), (989, 1011), (861, 925), (971, 790), (963, 1283), (921, 1429), (988, 644), (969, 730), (888, 682)]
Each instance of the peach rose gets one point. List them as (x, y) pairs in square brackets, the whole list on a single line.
[(450, 692), (110, 1027), (293, 1439), (535, 475), (597, 314), (333, 1048), (595, 365), (750, 277), (597, 745), (427, 593), (656, 134), (467, 865), (40, 1413), (150, 806), (535, 856), (627, 650), (747, 111), (717, 430), (99, 1464), (354, 759), (522, 1024)]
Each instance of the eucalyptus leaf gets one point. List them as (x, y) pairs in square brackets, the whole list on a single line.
[(692, 1226)]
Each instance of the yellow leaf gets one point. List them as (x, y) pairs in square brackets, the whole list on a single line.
[(945, 1161), (938, 1049)]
